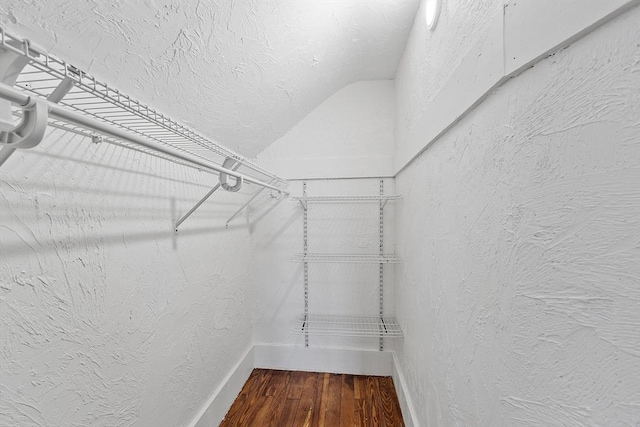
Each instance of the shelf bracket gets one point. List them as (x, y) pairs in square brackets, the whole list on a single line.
[(11, 66), (31, 129), (200, 202), (251, 199)]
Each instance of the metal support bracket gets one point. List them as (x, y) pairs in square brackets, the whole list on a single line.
[(236, 213), (11, 66), (201, 201), (30, 131)]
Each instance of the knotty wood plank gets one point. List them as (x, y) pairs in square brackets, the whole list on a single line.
[(347, 402), (278, 383), (295, 399), (260, 416), (359, 386), (277, 389), (360, 416), (320, 406), (240, 404), (332, 406), (263, 383), (256, 400), (372, 401), (289, 411), (296, 384), (389, 404), (307, 399)]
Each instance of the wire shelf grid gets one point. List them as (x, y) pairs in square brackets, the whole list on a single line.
[(346, 258), (346, 199), (349, 326), (88, 96)]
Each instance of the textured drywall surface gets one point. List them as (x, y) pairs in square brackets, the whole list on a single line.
[(431, 57), (106, 318), (336, 289), (350, 134), (242, 72), (519, 291), (476, 47)]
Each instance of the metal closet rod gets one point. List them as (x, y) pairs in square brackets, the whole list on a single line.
[(17, 97)]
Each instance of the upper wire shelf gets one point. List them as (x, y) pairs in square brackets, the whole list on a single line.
[(90, 97), (342, 199)]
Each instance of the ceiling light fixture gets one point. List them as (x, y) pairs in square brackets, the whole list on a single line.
[(431, 13)]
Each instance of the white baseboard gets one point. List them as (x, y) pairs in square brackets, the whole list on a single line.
[(216, 407), (338, 361), (406, 405), (296, 358)]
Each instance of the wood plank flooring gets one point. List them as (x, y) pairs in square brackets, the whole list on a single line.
[(311, 399)]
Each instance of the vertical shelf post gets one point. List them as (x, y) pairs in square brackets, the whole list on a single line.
[(305, 248), (381, 268)]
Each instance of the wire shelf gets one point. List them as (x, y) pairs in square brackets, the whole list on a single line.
[(90, 97), (349, 326), (343, 199), (347, 258)]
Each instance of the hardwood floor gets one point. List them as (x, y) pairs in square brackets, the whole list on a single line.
[(311, 399)]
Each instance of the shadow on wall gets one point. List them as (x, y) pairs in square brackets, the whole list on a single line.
[(70, 192), (272, 235), (264, 212), (97, 164), (21, 246)]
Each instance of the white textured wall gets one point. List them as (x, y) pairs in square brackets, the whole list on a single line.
[(105, 318), (519, 293), (431, 58), (476, 47), (243, 71), (351, 134)]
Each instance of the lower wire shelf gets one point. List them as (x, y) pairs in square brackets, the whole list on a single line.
[(349, 326), (347, 258)]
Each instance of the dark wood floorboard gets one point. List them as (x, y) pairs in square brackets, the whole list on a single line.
[(313, 399)]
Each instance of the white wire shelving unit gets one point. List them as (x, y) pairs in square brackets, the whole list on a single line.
[(310, 324), (349, 326), (346, 258), (77, 102)]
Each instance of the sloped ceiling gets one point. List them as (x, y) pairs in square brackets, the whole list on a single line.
[(243, 72)]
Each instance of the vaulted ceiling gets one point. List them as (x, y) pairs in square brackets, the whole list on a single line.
[(242, 72)]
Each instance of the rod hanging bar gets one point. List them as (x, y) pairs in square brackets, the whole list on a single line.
[(17, 97)]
